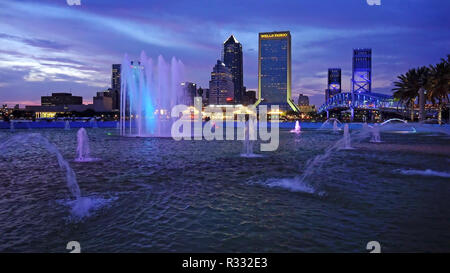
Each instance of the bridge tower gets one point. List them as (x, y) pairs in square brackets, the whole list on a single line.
[(362, 70)]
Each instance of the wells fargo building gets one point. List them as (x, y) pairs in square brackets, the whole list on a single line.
[(274, 70)]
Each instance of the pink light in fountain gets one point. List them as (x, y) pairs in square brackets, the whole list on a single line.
[(297, 128)]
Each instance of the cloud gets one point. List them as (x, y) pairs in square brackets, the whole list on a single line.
[(41, 43), (50, 44)]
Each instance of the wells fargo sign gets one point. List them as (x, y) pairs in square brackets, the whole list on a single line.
[(273, 35)]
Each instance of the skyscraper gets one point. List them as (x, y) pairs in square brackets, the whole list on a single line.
[(334, 82), (115, 85), (232, 58), (362, 70), (274, 70), (303, 100), (221, 87)]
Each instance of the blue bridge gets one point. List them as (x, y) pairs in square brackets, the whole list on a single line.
[(361, 101)]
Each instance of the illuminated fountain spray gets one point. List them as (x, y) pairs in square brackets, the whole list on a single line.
[(335, 127), (83, 150), (149, 91), (347, 142), (297, 129), (375, 130), (249, 140), (27, 139), (81, 206), (327, 125)]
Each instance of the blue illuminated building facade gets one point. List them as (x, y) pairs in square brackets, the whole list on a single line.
[(362, 70), (274, 70), (334, 82)]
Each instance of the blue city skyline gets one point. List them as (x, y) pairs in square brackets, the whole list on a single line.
[(53, 47)]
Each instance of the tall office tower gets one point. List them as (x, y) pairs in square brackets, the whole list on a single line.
[(362, 70), (274, 70), (334, 83), (232, 58), (303, 100), (115, 85), (221, 87)]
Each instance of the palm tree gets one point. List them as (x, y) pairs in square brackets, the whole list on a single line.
[(423, 83), (440, 84), (401, 90), (408, 86)]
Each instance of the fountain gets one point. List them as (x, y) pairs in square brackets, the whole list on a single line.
[(149, 92), (83, 151), (247, 149), (316, 163), (347, 142), (375, 130), (37, 138), (394, 119), (401, 126), (327, 125), (297, 128), (80, 206), (67, 125), (335, 127)]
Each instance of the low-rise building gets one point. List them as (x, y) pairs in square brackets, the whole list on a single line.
[(103, 102), (61, 99)]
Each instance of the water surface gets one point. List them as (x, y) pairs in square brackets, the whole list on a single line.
[(161, 195)]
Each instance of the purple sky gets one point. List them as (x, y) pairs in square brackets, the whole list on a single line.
[(48, 46)]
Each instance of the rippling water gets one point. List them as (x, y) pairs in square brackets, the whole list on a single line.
[(160, 195)]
